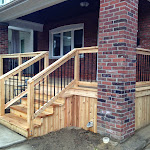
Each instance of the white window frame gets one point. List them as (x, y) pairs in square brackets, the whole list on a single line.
[(61, 30)]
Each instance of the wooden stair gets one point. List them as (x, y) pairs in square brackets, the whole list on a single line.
[(17, 118)]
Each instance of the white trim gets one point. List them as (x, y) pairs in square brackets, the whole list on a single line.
[(60, 30), (67, 28), (19, 8), (26, 25), (19, 29)]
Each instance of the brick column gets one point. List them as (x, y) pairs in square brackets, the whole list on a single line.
[(3, 38), (117, 67)]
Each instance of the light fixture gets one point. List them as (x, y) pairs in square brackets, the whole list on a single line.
[(84, 4)]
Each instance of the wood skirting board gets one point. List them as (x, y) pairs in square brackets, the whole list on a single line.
[(77, 111)]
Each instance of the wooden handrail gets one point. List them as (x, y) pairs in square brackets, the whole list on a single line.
[(16, 55), (23, 66), (142, 51)]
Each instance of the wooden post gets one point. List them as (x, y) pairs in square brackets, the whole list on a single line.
[(1, 66), (30, 108), (46, 60), (46, 64), (76, 68), (19, 63), (2, 97)]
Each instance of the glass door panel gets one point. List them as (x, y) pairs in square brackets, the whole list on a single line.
[(66, 42), (56, 44)]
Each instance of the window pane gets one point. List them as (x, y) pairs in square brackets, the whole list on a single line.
[(78, 38), (66, 42), (56, 44)]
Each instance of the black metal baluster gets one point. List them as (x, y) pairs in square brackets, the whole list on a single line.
[(39, 96), (96, 69), (50, 85), (5, 92), (28, 70), (80, 65), (47, 88), (9, 88), (72, 68), (61, 77), (43, 91), (34, 99), (64, 74), (13, 88), (54, 83), (11, 63), (92, 68), (17, 85), (67, 63), (58, 81), (21, 83), (88, 68), (84, 68)]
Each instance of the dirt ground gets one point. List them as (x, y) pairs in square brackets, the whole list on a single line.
[(68, 139)]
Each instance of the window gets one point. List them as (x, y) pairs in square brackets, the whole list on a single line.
[(64, 39)]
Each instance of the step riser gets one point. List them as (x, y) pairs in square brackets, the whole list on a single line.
[(15, 128), (24, 116)]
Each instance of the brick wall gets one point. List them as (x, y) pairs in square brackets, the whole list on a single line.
[(117, 67), (90, 21), (3, 38)]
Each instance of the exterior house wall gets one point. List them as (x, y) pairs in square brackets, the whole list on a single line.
[(90, 21)]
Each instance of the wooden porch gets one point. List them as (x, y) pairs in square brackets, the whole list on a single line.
[(52, 99)]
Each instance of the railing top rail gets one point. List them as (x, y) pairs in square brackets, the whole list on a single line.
[(16, 55), (61, 61), (24, 65), (142, 51)]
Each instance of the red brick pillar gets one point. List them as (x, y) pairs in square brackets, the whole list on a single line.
[(117, 67), (3, 38)]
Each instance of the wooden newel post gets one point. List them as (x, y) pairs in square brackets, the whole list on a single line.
[(46, 60), (19, 63), (1, 66), (30, 108), (76, 68), (2, 97)]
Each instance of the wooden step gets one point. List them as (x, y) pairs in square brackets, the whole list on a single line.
[(15, 123), (21, 111)]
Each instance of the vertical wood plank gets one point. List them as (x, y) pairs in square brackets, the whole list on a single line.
[(30, 108), (76, 68)]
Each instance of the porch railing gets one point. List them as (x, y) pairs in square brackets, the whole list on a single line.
[(142, 65), (11, 61), (52, 82), (13, 84)]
